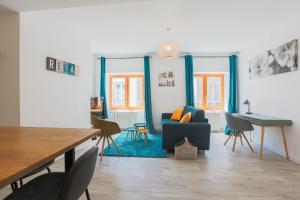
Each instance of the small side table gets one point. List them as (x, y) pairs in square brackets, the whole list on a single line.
[(141, 125), (133, 133)]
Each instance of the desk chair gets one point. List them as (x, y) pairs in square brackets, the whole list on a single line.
[(108, 129), (60, 185), (238, 127)]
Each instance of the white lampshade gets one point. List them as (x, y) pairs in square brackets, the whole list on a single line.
[(168, 50)]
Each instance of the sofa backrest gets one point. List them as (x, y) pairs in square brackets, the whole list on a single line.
[(197, 114)]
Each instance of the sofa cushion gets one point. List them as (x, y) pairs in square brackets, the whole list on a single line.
[(186, 118), (177, 114), (197, 115)]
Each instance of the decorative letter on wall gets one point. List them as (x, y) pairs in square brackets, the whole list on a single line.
[(62, 67)]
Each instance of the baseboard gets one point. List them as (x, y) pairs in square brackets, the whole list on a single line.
[(280, 152)]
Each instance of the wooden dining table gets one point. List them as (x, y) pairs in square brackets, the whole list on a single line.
[(24, 149)]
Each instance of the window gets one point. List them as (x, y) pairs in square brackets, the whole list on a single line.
[(209, 91), (126, 92)]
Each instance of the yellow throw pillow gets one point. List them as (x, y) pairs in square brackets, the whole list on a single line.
[(186, 118), (177, 114)]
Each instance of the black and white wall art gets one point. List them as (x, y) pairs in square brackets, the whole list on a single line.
[(276, 61), (166, 79)]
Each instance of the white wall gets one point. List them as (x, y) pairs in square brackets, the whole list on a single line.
[(49, 98), (166, 99), (277, 95), (9, 69)]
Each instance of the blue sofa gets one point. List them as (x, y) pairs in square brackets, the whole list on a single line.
[(197, 131)]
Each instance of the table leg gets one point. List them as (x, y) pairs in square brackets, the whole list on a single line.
[(127, 136), (69, 159), (285, 143), (146, 137), (262, 141)]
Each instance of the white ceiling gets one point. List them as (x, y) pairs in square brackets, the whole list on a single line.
[(197, 25), (34, 5)]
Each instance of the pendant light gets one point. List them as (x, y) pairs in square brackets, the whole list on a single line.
[(168, 49)]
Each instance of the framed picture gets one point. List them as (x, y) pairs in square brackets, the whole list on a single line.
[(166, 79), (276, 61)]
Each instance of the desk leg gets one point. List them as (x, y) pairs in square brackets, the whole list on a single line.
[(69, 159), (285, 143), (262, 141)]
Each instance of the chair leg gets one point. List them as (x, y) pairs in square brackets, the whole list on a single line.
[(115, 145), (21, 182), (14, 186), (233, 148), (87, 194), (228, 138), (247, 142), (108, 143), (146, 137), (99, 140), (241, 139), (102, 151), (48, 169)]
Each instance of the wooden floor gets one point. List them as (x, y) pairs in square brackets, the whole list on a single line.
[(218, 174)]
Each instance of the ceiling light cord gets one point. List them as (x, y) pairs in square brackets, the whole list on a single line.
[(168, 29)]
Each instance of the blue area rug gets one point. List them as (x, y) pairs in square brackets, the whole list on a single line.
[(136, 148)]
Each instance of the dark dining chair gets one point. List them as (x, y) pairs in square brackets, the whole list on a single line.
[(59, 185), (238, 127), (15, 186)]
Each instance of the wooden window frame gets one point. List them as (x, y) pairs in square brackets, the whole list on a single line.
[(204, 92), (127, 86)]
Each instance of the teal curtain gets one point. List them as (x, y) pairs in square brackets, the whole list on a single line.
[(189, 80), (102, 86), (233, 96), (148, 103)]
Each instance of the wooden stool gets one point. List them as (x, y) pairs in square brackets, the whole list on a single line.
[(143, 131)]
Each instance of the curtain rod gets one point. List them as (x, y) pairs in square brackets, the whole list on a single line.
[(121, 58), (208, 56)]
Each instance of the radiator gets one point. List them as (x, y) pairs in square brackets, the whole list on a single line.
[(126, 119), (216, 119)]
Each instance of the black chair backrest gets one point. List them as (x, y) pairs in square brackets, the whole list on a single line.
[(236, 124), (79, 176)]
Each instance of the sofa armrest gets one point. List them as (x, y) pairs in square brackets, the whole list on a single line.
[(205, 120), (166, 115)]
